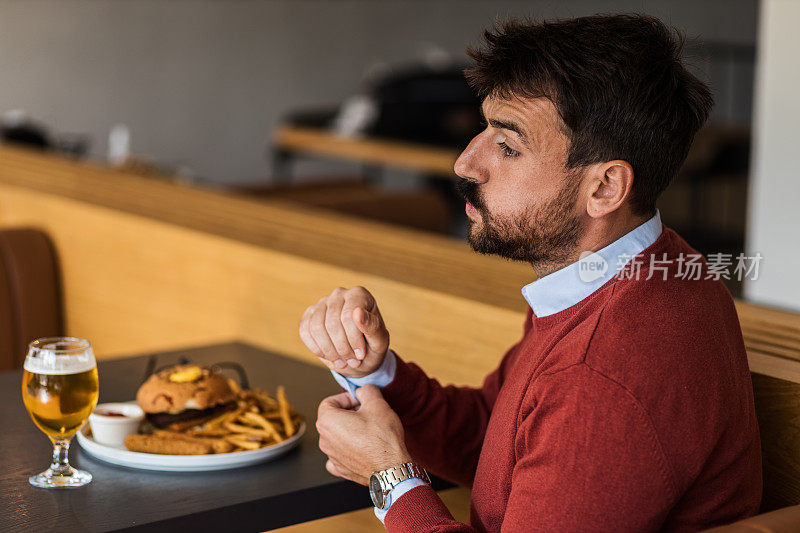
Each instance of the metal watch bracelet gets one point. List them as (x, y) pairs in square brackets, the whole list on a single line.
[(391, 477)]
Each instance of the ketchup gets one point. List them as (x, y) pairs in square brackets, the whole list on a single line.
[(111, 413)]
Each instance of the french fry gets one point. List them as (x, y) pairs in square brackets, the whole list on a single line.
[(283, 407), (264, 401), (234, 386), (264, 423), (242, 442), (264, 396), (246, 430), (219, 432), (224, 417)]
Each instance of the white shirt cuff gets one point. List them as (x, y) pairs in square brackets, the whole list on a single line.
[(394, 495), (380, 378)]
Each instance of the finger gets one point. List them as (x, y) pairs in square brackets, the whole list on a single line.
[(305, 334), (370, 325), (354, 335), (369, 395), (339, 470), (335, 328), (329, 364), (320, 336), (340, 401), (330, 467), (347, 473)]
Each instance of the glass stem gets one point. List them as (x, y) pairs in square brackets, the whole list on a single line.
[(60, 465)]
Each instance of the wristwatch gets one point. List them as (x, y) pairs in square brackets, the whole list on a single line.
[(381, 483)]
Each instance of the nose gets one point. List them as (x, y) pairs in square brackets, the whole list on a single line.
[(468, 165)]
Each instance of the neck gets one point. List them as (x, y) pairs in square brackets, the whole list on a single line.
[(596, 235)]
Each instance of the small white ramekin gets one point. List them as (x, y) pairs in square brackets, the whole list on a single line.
[(112, 430)]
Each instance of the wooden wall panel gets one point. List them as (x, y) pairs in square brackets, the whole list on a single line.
[(413, 257), (373, 251), (778, 409), (133, 284)]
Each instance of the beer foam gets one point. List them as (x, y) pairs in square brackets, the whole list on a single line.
[(47, 362)]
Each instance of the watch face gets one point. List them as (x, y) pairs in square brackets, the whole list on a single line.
[(376, 491)]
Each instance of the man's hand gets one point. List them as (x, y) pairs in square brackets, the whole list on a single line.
[(360, 439), (346, 331)]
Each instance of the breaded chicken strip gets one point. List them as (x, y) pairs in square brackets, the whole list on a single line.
[(165, 445), (217, 444)]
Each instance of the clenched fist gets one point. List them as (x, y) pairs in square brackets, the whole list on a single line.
[(360, 437), (346, 331)]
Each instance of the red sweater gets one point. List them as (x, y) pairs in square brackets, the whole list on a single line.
[(629, 411)]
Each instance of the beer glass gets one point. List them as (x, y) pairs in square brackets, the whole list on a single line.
[(60, 390)]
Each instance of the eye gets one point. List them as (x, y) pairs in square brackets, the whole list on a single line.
[(507, 150), (500, 140)]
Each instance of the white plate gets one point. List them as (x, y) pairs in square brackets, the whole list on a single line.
[(185, 463)]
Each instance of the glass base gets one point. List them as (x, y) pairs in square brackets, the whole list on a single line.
[(62, 480)]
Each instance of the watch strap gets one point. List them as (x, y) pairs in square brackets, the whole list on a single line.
[(391, 477)]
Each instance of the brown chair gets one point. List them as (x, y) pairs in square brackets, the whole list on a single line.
[(30, 293)]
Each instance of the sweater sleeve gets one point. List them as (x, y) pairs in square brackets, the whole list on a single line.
[(587, 459), (435, 416)]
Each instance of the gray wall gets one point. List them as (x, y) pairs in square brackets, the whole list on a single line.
[(202, 82), (774, 187)]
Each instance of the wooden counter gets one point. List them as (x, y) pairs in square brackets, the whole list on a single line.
[(149, 265), (431, 160)]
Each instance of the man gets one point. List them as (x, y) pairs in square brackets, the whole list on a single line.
[(627, 404)]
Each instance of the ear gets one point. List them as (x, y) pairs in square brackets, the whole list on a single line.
[(610, 186)]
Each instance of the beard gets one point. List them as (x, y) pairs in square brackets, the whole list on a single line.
[(543, 237)]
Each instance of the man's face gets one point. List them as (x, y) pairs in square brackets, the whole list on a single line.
[(521, 200)]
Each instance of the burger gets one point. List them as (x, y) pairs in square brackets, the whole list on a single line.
[(184, 396)]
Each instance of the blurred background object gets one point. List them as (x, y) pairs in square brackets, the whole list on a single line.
[(356, 106), (17, 128)]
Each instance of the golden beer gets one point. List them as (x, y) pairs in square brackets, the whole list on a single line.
[(60, 391), (59, 404)]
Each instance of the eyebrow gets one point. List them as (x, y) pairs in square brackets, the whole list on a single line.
[(505, 125)]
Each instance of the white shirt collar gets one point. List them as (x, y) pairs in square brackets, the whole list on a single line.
[(566, 287)]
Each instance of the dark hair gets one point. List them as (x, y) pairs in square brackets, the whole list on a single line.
[(617, 82)]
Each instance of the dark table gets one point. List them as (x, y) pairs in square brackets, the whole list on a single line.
[(295, 488)]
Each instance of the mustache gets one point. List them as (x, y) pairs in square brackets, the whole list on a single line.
[(470, 192)]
